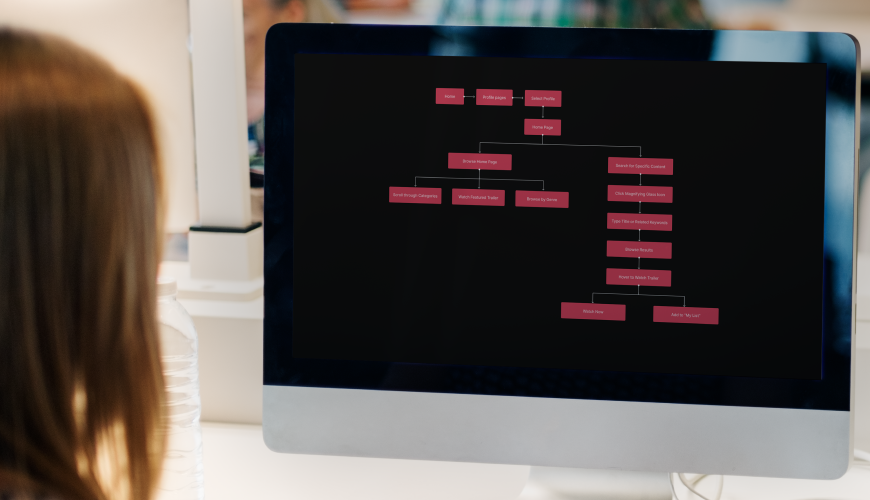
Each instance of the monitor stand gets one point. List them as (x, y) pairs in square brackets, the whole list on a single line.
[(558, 483)]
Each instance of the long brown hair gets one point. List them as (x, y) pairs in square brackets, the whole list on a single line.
[(81, 388)]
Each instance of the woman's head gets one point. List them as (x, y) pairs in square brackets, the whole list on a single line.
[(80, 198)]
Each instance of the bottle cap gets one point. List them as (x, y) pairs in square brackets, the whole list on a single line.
[(166, 286)]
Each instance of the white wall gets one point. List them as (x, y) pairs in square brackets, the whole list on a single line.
[(146, 40)]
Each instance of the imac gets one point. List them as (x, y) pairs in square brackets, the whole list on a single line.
[(592, 248)]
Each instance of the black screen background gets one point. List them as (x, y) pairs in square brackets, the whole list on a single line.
[(482, 285)]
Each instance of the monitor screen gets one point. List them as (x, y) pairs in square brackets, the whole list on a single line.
[(614, 215), (624, 215)]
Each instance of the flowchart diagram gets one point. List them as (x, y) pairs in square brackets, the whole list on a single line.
[(639, 194), (481, 161), (640, 249)]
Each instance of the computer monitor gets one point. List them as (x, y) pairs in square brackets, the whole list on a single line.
[(597, 248)]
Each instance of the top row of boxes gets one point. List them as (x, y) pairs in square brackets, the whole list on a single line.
[(500, 97)]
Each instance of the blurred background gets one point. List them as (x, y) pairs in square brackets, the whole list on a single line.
[(149, 40)]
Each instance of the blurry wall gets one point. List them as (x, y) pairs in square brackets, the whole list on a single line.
[(849, 16), (148, 41)]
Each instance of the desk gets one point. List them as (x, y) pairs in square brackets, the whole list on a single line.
[(239, 466)]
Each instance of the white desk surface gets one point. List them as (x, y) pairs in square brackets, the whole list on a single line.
[(239, 466)]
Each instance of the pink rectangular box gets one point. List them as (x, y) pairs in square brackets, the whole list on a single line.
[(450, 96), (494, 97), (645, 194), (541, 126), (487, 197), (578, 310), (642, 277), (647, 222), (696, 315), (652, 166), (415, 195), (544, 98), (551, 199), (482, 161), (643, 249)]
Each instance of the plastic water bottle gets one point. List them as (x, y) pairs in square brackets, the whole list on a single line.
[(182, 469)]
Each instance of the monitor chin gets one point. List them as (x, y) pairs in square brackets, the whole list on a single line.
[(651, 437)]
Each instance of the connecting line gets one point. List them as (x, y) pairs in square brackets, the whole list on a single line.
[(478, 179), (638, 231), (573, 145), (638, 208), (641, 180), (471, 96), (517, 97), (542, 111), (640, 294)]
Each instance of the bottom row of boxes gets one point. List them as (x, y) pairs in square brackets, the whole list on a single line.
[(485, 197), (661, 314)]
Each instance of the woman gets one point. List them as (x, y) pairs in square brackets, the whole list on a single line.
[(80, 381)]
